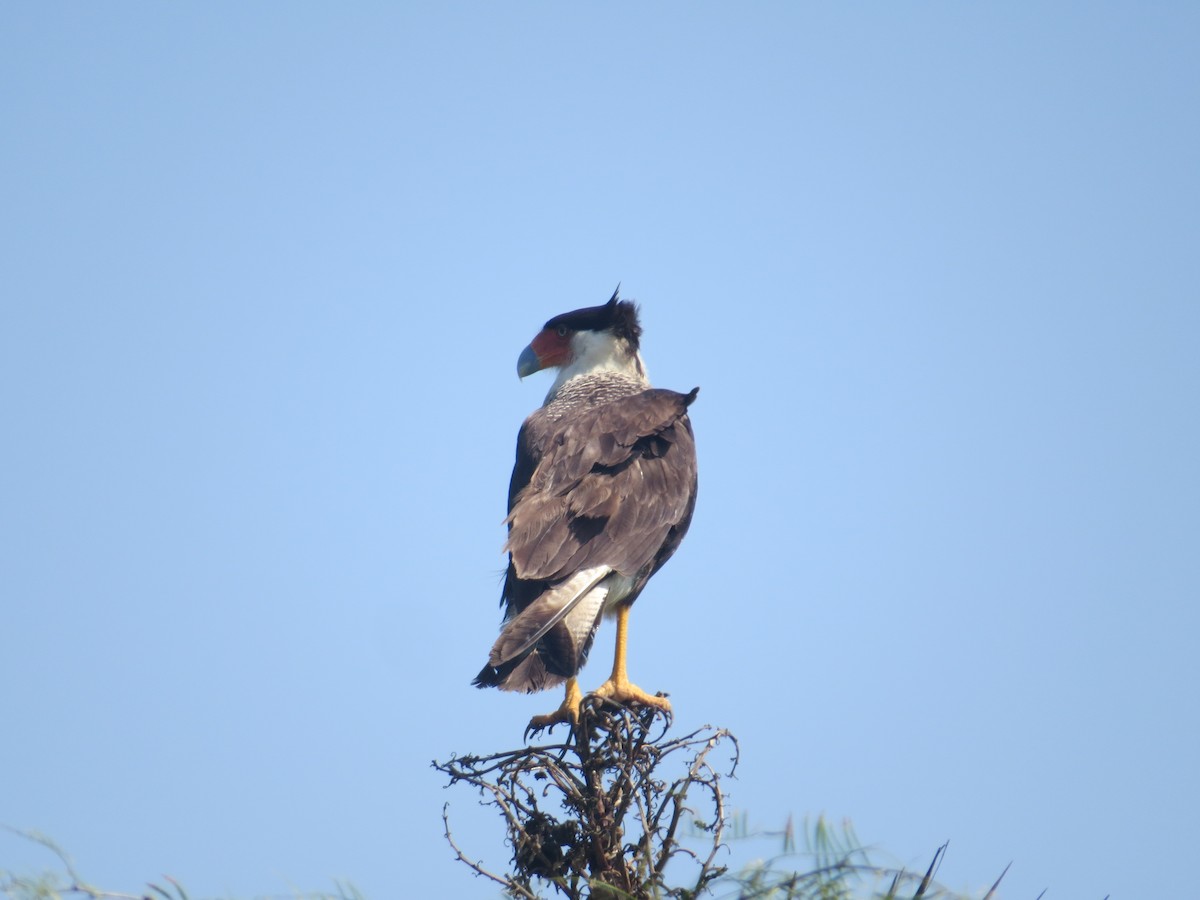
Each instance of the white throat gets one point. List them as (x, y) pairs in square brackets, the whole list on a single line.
[(595, 352)]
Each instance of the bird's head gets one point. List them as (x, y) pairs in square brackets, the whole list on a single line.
[(586, 341)]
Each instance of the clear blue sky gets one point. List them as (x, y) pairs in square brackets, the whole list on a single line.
[(265, 272)]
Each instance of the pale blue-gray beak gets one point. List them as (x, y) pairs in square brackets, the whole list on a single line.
[(528, 362)]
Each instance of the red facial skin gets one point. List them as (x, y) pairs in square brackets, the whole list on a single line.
[(552, 348)]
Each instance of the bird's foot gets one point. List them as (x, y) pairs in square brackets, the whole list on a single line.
[(626, 693), (568, 712)]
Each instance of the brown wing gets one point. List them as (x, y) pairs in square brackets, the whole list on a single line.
[(609, 488), (614, 485)]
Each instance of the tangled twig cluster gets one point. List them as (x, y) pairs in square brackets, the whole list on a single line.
[(603, 813)]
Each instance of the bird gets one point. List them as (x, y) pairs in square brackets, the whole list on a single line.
[(602, 493)]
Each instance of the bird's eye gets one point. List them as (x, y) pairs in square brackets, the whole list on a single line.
[(562, 330)]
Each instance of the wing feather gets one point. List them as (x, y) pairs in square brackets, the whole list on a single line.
[(610, 488), (628, 464)]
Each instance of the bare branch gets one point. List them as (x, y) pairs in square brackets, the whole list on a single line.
[(598, 816), (506, 883)]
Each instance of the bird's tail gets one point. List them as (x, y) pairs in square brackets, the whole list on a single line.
[(549, 640)]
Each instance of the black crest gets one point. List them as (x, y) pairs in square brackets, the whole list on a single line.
[(618, 316)]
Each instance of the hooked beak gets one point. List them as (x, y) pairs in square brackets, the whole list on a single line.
[(528, 362)]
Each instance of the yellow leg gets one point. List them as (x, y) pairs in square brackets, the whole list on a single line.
[(568, 712), (618, 687)]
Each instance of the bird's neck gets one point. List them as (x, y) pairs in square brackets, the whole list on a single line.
[(590, 390), (600, 360)]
